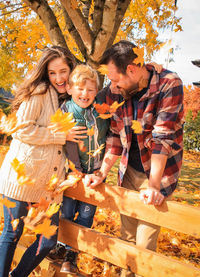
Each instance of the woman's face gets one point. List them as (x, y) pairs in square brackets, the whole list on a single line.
[(58, 72)]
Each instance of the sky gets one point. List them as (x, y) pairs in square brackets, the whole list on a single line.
[(186, 43)]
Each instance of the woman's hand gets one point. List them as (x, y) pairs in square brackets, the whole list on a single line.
[(76, 133)]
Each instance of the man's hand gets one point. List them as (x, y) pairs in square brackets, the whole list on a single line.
[(151, 196), (93, 180)]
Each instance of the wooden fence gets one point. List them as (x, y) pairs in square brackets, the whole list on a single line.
[(179, 217)]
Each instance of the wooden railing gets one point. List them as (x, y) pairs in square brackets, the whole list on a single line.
[(179, 217)]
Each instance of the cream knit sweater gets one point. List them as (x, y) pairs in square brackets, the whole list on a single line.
[(35, 146)]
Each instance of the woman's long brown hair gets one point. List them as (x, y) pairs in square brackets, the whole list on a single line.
[(40, 74)]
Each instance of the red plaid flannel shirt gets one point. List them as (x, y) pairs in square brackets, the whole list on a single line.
[(160, 111)]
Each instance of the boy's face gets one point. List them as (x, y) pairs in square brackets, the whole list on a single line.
[(83, 94)]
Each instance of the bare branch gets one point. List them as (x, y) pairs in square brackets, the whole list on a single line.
[(13, 11), (80, 24)]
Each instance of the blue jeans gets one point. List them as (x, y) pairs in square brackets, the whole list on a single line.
[(10, 238), (85, 211)]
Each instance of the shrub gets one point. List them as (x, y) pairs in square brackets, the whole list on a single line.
[(192, 132)]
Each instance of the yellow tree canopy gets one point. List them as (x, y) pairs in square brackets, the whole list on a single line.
[(87, 28)]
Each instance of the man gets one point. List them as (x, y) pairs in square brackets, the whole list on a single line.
[(150, 160)]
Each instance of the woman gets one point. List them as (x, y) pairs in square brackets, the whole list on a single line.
[(40, 150)]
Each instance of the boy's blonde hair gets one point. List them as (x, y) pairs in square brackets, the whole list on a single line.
[(81, 73)]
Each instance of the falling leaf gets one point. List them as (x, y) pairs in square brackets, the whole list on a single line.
[(71, 181), (51, 185), (103, 69), (115, 106), (102, 108), (15, 223), (105, 116), (22, 178), (97, 151), (45, 229), (8, 203), (42, 205), (90, 132), (81, 145), (140, 56), (32, 212), (8, 124), (53, 209), (137, 127), (18, 167), (61, 122)]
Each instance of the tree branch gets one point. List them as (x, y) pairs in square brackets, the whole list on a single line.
[(97, 15), (80, 24), (48, 18), (113, 14), (73, 32)]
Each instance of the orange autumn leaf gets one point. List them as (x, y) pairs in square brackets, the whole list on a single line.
[(71, 181), (137, 127), (32, 212), (25, 180), (61, 122), (90, 132), (115, 106), (106, 116), (53, 209), (81, 145), (8, 124), (42, 205), (15, 223), (51, 185), (8, 203), (97, 151), (18, 167), (102, 108), (140, 55), (45, 229), (103, 69), (72, 167)]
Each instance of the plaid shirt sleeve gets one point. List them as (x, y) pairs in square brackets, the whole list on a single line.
[(169, 117)]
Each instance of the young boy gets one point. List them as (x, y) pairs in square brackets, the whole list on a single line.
[(83, 88)]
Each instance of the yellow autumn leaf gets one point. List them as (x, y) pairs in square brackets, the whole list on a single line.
[(90, 132), (137, 127), (8, 203), (72, 179), (45, 229), (140, 55), (105, 116), (8, 124), (61, 122), (32, 212), (53, 209), (97, 151), (103, 69), (18, 167), (51, 185), (25, 180), (115, 106), (15, 223)]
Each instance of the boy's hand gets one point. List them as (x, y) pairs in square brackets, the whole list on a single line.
[(75, 134)]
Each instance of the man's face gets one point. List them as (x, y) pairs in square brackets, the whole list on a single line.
[(125, 84)]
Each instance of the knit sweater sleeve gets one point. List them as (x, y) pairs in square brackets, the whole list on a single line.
[(34, 133)]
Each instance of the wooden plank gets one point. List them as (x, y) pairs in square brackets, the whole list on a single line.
[(124, 254), (176, 216)]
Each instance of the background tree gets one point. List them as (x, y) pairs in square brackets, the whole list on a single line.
[(87, 28)]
